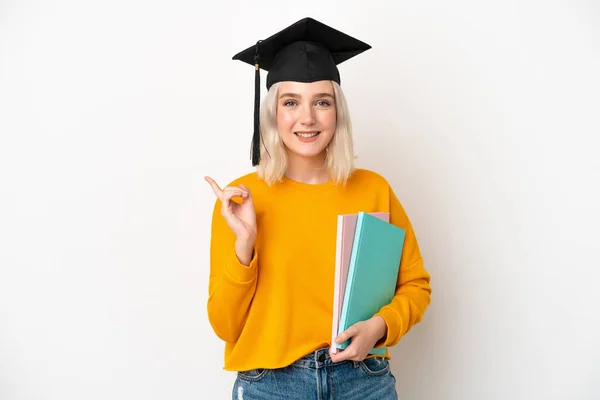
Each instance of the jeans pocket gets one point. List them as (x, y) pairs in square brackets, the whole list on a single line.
[(375, 366), (253, 375)]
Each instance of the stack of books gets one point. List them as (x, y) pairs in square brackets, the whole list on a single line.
[(368, 254)]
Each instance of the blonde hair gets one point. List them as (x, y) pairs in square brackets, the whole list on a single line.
[(273, 158)]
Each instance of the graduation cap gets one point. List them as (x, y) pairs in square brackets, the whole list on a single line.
[(306, 51)]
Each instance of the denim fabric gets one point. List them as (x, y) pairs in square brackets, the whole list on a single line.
[(316, 377)]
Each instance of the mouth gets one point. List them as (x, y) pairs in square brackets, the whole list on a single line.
[(307, 135)]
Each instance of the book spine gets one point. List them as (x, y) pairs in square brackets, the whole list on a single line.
[(343, 324), (337, 282)]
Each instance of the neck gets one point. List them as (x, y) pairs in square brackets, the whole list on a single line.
[(307, 170)]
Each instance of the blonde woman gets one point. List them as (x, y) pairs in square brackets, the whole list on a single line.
[(272, 255)]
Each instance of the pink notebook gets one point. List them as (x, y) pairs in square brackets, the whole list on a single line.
[(346, 225)]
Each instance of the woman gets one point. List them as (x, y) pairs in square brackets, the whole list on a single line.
[(274, 230)]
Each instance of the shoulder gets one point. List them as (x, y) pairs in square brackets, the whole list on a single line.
[(250, 178), (366, 177)]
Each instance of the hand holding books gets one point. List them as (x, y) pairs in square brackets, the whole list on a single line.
[(363, 335)]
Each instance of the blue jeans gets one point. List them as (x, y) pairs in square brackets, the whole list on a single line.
[(316, 377)]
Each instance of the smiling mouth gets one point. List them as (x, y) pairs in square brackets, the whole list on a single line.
[(306, 135)]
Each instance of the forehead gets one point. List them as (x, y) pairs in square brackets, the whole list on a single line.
[(306, 89)]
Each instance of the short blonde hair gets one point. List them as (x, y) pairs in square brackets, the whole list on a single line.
[(273, 158)]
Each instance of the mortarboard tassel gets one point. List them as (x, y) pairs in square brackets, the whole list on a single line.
[(255, 153)]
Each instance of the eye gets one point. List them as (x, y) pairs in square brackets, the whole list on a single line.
[(323, 103), (289, 103)]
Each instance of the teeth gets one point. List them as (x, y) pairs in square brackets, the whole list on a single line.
[(307, 135)]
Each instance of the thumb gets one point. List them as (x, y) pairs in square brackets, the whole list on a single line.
[(347, 334), (245, 188)]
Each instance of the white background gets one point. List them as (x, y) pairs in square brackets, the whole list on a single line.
[(483, 115)]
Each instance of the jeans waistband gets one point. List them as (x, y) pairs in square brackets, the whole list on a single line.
[(317, 359)]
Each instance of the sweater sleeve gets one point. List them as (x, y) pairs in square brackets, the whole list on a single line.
[(231, 284), (412, 296)]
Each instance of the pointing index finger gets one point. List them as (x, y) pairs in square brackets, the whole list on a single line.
[(214, 186)]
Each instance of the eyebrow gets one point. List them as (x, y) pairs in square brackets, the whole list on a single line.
[(297, 96)]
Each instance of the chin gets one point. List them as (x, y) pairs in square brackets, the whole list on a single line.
[(306, 151), (305, 154)]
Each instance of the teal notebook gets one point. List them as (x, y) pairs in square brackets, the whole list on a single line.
[(372, 273)]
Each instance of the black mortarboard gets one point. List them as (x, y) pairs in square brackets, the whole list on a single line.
[(307, 51)]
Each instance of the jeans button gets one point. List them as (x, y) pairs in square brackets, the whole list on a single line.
[(322, 357)]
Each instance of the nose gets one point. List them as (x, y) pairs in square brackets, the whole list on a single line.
[(308, 116)]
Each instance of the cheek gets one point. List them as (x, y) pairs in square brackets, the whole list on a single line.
[(285, 120), (328, 120)]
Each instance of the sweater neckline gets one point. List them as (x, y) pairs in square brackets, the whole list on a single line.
[(314, 187)]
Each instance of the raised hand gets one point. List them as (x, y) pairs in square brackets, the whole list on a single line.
[(240, 217)]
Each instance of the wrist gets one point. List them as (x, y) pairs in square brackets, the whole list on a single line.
[(380, 326), (246, 239), (244, 250)]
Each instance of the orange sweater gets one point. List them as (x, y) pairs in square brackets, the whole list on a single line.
[(279, 308)]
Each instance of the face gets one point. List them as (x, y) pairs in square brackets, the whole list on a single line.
[(306, 117)]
